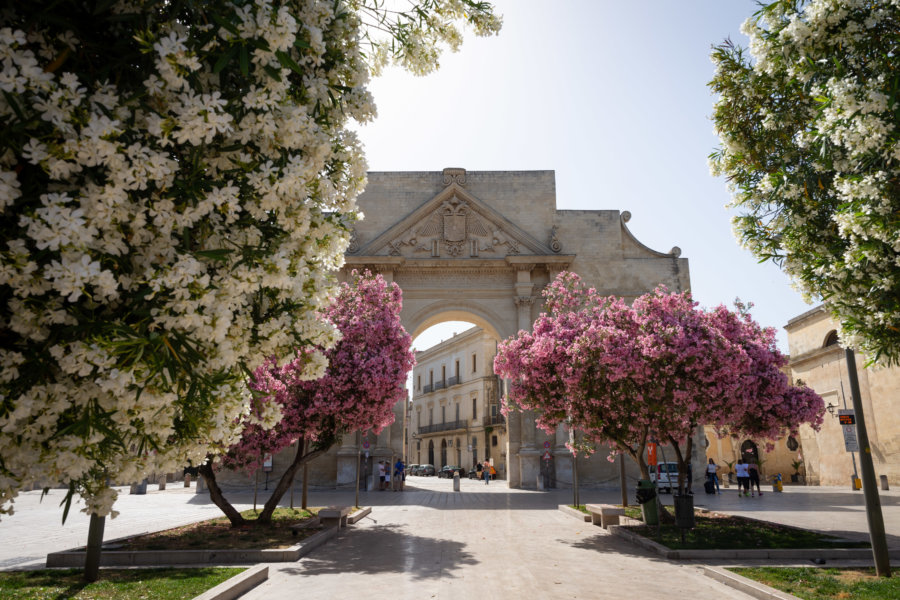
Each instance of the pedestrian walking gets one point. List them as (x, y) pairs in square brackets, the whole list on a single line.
[(743, 477), (712, 476), (380, 475), (399, 473), (753, 469), (487, 473)]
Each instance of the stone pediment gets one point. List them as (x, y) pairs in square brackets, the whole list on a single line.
[(454, 224)]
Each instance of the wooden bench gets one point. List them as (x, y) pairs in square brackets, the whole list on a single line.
[(334, 516), (605, 514)]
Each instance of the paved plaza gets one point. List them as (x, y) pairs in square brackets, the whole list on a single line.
[(430, 542)]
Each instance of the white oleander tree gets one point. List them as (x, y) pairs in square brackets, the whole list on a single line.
[(809, 124), (177, 183)]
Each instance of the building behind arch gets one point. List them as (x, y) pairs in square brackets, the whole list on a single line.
[(817, 360)]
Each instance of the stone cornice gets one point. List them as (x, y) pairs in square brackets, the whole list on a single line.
[(818, 312), (833, 352), (508, 264), (556, 261), (388, 262)]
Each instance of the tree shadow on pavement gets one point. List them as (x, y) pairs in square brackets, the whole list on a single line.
[(385, 549), (893, 541), (607, 543)]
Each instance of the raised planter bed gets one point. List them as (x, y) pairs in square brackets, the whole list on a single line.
[(746, 554), (111, 557), (572, 512), (238, 585), (125, 558)]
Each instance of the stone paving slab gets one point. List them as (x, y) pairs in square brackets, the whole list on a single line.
[(484, 541), (432, 543)]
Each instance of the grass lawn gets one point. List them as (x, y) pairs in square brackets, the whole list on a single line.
[(218, 534), (716, 531), (812, 583), (118, 584)]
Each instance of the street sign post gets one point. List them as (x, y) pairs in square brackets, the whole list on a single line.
[(651, 454), (847, 419)]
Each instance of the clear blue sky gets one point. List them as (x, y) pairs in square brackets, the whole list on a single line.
[(610, 95)]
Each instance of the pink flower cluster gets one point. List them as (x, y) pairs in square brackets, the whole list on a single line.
[(625, 375), (365, 378)]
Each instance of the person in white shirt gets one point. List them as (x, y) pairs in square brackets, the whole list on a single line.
[(712, 474), (743, 476)]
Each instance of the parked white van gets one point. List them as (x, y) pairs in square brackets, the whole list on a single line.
[(665, 475)]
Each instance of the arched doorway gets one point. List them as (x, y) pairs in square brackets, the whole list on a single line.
[(443, 453), (749, 451), (431, 452)]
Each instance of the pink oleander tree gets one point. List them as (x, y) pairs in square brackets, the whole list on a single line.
[(770, 403), (364, 379), (625, 375)]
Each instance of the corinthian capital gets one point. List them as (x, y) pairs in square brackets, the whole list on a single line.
[(524, 300)]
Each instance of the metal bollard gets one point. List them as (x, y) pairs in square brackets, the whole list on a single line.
[(162, 483), (884, 483), (187, 480), (456, 482), (540, 483), (201, 488)]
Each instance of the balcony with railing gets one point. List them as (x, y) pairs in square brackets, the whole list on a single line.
[(494, 420), (427, 389), (438, 427), (439, 385), (453, 381)]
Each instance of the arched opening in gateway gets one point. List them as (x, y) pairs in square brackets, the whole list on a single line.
[(455, 395)]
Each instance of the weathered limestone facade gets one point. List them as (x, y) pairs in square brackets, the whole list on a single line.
[(727, 450), (819, 361), (480, 247), (455, 416)]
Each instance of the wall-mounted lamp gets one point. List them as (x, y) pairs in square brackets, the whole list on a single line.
[(831, 408)]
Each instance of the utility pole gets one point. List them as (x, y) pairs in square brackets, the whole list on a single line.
[(867, 469)]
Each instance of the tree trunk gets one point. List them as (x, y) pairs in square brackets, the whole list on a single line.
[(287, 479), (215, 493), (93, 549), (305, 485), (683, 458)]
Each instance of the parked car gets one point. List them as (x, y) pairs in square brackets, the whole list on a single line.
[(425, 470), (665, 475), (449, 470), (411, 469)]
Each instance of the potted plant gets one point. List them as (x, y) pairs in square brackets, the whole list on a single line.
[(730, 464), (795, 476)]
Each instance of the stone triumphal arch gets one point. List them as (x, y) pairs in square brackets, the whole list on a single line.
[(480, 247)]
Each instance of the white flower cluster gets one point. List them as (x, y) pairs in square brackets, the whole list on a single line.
[(414, 37), (165, 227), (810, 142)]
